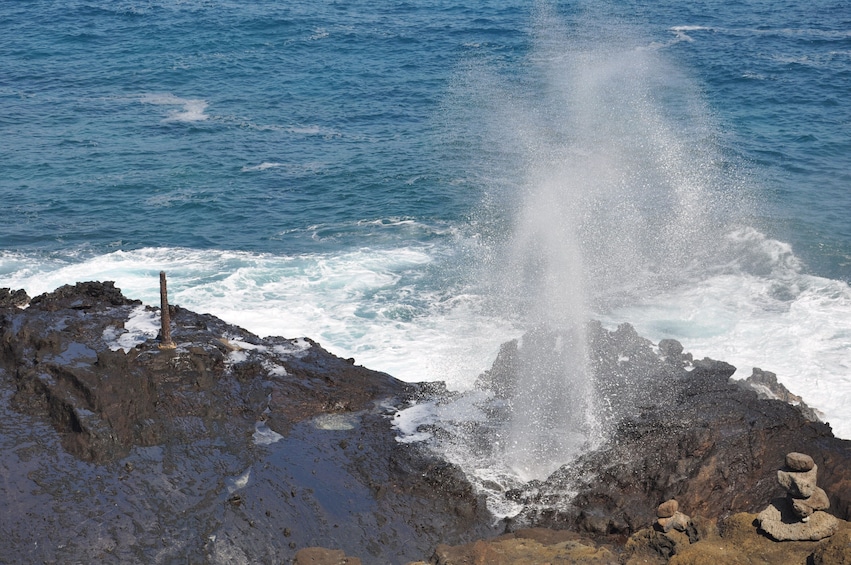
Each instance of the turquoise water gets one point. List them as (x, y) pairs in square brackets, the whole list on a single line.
[(368, 173)]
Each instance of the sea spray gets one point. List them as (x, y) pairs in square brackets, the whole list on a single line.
[(606, 185)]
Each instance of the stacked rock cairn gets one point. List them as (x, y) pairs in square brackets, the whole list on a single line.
[(668, 517), (800, 514)]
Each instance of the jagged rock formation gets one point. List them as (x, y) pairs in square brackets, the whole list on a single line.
[(680, 428), (236, 449), (227, 449), (766, 385)]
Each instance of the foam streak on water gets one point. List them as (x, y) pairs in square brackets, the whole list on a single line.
[(369, 304)]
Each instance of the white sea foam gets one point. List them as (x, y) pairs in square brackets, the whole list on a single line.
[(274, 369), (297, 348), (365, 304), (777, 318), (141, 325), (759, 310), (192, 108), (262, 166), (408, 421), (264, 435)]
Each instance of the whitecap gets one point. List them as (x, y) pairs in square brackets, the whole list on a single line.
[(192, 108), (369, 304), (262, 166)]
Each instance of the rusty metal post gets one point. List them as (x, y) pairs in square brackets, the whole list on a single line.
[(165, 332)]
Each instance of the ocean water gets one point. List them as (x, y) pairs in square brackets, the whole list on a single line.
[(411, 184)]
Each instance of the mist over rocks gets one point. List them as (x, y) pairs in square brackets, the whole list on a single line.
[(670, 427)]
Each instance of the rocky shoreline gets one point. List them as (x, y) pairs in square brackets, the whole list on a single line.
[(236, 449)]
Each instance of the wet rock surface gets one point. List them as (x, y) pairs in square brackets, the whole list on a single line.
[(236, 449), (681, 429), (228, 449)]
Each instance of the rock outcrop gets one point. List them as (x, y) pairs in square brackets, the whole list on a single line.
[(766, 385), (235, 449), (227, 449), (683, 429)]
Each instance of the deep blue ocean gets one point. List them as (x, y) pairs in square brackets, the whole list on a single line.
[(412, 183)]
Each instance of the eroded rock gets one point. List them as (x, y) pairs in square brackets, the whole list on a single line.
[(799, 484), (667, 509)]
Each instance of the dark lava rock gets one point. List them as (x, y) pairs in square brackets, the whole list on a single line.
[(679, 430), (766, 385), (236, 449), (9, 297), (227, 449)]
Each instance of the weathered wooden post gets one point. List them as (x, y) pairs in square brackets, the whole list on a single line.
[(165, 332)]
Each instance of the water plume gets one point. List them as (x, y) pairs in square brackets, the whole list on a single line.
[(603, 183)]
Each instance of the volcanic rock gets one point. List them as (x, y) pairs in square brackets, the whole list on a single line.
[(806, 506), (766, 385), (232, 448), (736, 541), (227, 449), (799, 484), (679, 429), (9, 297), (781, 523), (678, 521)]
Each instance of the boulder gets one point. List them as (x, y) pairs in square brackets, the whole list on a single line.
[(781, 523), (799, 484), (804, 507), (799, 461), (679, 521), (667, 509)]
